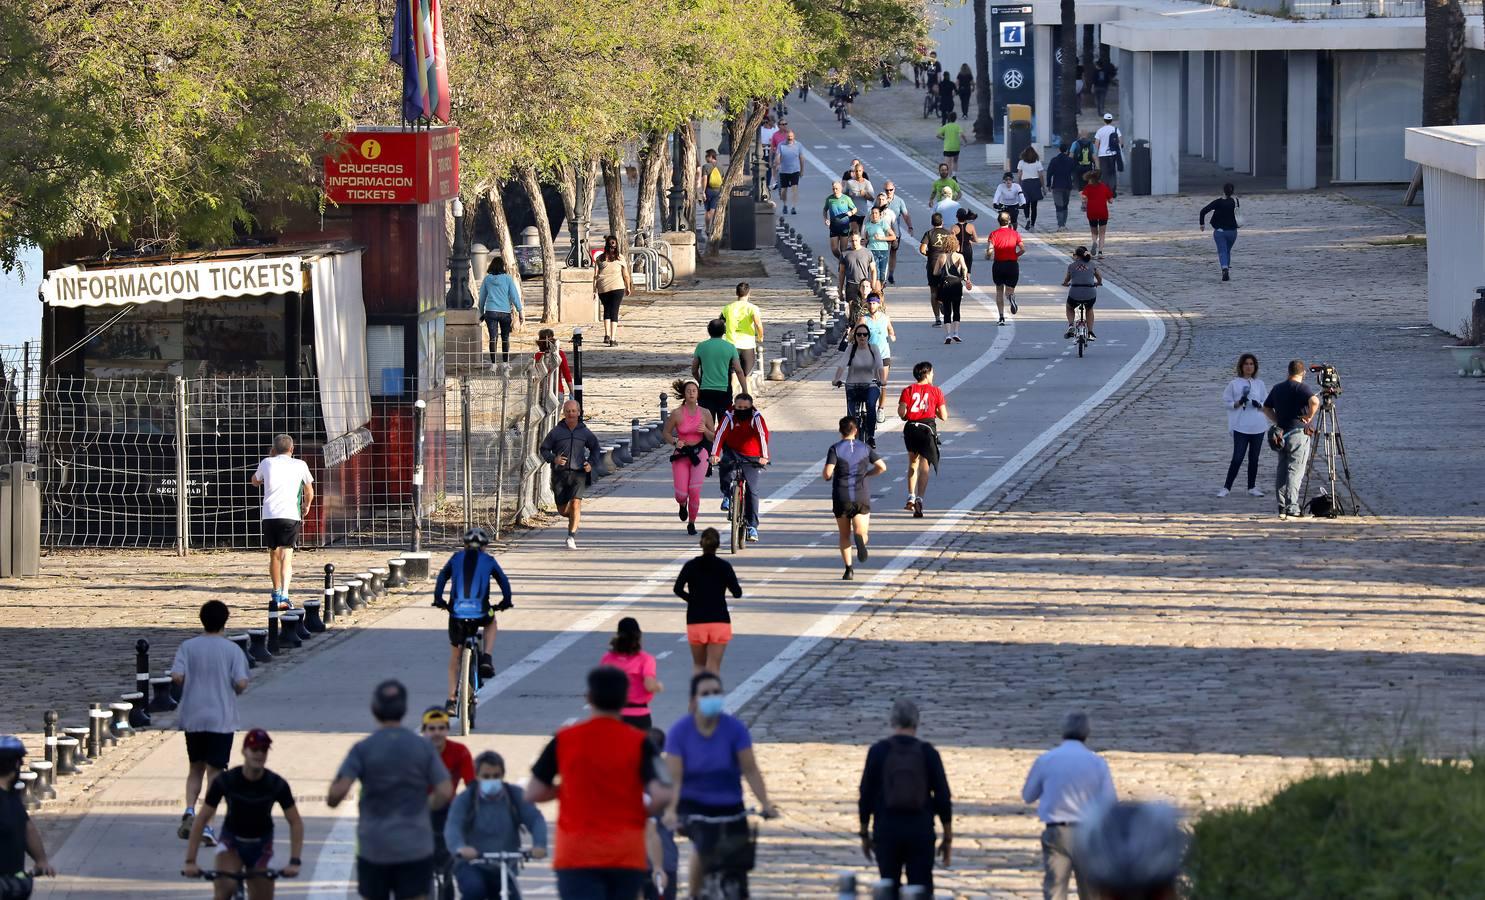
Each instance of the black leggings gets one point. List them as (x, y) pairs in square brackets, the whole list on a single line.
[(1241, 444), (949, 299), (1031, 213)]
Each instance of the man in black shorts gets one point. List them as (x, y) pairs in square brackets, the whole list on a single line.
[(932, 247), (211, 671), (848, 464), (570, 448), (921, 408), (246, 841), (288, 490)]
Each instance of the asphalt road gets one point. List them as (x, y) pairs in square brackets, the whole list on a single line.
[(1012, 391)]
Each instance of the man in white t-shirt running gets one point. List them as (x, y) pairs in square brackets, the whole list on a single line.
[(1110, 142), (288, 490)]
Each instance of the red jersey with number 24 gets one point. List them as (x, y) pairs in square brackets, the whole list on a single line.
[(923, 401)]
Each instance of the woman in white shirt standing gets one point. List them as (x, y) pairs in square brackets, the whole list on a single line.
[(1030, 171), (1244, 398), (1008, 197)]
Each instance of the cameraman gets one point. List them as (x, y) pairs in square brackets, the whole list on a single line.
[(1244, 397), (1290, 406)]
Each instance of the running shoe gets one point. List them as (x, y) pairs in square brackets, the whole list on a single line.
[(451, 706), (1068, 333), (571, 542), (691, 528), (487, 667), (957, 338), (1092, 337), (918, 508), (1100, 254), (1014, 308), (1223, 492), (1002, 321), (947, 340), (861, 547), (911, 503), (850, 574), (752, 535), (208, 837), (187, 819), (1254, 492), (681, 513), (727, 501), (891, 279), (937, 322)]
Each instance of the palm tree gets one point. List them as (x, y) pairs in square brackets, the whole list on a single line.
[(1443, 61), (1067, 101), (984, 122)]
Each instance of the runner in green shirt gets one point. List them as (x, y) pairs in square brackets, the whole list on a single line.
[(953, 137), (713, 365), (944, 180)]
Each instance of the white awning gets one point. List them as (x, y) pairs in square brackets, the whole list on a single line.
[(340, 350), (74, 287)]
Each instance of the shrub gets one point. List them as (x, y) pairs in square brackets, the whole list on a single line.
[(1396, 828)]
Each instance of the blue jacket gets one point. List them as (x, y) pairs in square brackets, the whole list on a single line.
[(492, 824), (498, 293), (470, 598)]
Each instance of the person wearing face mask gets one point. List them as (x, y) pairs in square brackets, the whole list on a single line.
[(487, 818), (709, 753)]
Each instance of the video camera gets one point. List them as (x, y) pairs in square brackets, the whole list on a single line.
[(1328, 378)]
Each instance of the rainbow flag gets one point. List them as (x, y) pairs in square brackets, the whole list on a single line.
[(417, 46)]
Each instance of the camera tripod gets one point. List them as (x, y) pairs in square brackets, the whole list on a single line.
[(1329, 443)]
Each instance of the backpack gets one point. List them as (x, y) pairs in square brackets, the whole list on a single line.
[(1114, 142), (713, 176), (905, 777), (1083, 153)]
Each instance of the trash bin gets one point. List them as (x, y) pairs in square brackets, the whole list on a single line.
[(1018, 132), (1139, 165), (20, 520), (742, 228)]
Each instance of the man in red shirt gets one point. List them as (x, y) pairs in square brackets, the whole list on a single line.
[(611, 781), (1096, 197), (1005, 249), (921, 408), (457, 760), (742, 441)]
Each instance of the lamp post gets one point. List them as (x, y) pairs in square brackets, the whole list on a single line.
[(677, 221), (579, 229), (458, 296)]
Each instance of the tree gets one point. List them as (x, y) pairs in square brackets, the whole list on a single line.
[(984, 118), (1443, 61), (1067, 102)]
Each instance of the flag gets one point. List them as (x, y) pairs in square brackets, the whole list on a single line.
[(417, 46)]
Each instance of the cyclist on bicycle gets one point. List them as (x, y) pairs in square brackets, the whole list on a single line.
[(742, 442), (709, 753), (18, 834), (863, 376), (487, 818), (246, 840), (1082, 282), (469, 607)]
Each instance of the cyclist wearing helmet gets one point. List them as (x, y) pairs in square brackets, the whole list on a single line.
[(469, 607), (18, 834), (246, 841)]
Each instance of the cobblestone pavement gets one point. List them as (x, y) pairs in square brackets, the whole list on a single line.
[(1218, 650)]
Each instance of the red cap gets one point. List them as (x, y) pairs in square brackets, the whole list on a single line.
[(257, 739)]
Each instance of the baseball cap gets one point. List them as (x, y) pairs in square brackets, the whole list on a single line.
[(435, 715), (1108, 117), (10, 745), (257, 739)]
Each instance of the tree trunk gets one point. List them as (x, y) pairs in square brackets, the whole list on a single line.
[(1088, 41), (1103, 54), (589, 196), (688, 176), (662, 176), (984, 118), (743, 128), (613, 192), (551, 280), (1067, 103), (651, 157), (507, 248), (1443, 61)]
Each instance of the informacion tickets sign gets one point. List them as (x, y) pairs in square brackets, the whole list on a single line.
[(393, 165)]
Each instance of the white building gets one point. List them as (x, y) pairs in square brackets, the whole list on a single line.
[(1313, 100)]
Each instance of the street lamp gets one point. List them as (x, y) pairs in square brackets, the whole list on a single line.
[(678, 219), (579, 229), (459, 296)]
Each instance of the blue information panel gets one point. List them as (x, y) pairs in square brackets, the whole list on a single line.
[(1012, 61)]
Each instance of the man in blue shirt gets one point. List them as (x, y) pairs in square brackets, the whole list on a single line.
[(471, 570), (500, 307), (1061, 171), (847, 466)]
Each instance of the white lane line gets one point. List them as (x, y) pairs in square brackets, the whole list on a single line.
[(663, 653)]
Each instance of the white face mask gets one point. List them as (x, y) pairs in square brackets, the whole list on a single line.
[(490, 786)]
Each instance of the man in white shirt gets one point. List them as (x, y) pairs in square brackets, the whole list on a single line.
[(1110, 141), (288, 490), (1069, 784), (947, 206), (766, 131)]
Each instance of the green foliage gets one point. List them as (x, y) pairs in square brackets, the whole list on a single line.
[(855, 36), (1398, 828)]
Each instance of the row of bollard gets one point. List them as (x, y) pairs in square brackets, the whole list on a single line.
[(883, 889), (819, 337), (67, 750)]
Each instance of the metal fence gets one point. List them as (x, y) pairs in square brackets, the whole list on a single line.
[(113, 454), (1339, 9)]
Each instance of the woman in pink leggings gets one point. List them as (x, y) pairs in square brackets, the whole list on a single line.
[(689, 430)]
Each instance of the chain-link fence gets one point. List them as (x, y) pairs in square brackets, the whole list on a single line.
[(112, 461), (19, 388)]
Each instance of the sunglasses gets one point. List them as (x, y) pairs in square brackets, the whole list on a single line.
[(863, 334)]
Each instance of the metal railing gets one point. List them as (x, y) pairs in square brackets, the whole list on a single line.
[(1338, 9)]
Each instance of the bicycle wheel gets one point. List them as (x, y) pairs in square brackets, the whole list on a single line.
[(739, 527), (664, 271), (463, 698), (927, 106), (474, 687)]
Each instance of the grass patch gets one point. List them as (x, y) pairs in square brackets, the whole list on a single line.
[(1408, 240)]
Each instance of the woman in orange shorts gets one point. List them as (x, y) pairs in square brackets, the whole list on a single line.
[(703, 583)]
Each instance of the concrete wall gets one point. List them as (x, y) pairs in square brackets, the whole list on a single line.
[(1456, 245), (1378, 96)]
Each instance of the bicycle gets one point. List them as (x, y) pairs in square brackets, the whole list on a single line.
[(930, 104), (1080, 328), (858, 411), (443, 887), (727, 854), (242, 878), (737, 497), (469, 682), (842, 105)]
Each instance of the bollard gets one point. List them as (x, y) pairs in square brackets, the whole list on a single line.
[(845, 886), (301, 629), (97, 718), (379, 585), (273, 626), (776, 369), (49, 719), (25, 786), (653, 437), (576, 365), (397, 572), (139, 717), (800, 357), (329, 576), (242, 640), (353, 596), (601, 467), (160, 700), (258, 645), (636, 437), (611, 457), (624, 455), (342, 600), (66, 750), (787, 348), (884, 889), (328, 607), (367, 592), (288, 631), (142, 665), (120, 725), (79, 736), (664, 406), (45, 788), (312, 620), (175, 690), (913, 892), (363, 596)]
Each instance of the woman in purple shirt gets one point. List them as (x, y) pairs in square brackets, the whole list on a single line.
[(709, 754)]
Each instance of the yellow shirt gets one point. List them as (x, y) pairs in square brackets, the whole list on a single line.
[(741, 317)]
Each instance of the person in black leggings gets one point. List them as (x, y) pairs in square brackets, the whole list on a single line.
[(1244, 398), (951, 289)]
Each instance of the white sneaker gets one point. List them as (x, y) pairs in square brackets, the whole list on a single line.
[(571, 542), (1254, 492), (1221, 493)]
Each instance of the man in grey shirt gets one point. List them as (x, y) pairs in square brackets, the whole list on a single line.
[(570, 448), (858, 270), (211, 671), (402, 782)]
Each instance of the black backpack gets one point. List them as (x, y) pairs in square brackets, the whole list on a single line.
[(905, 777)]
